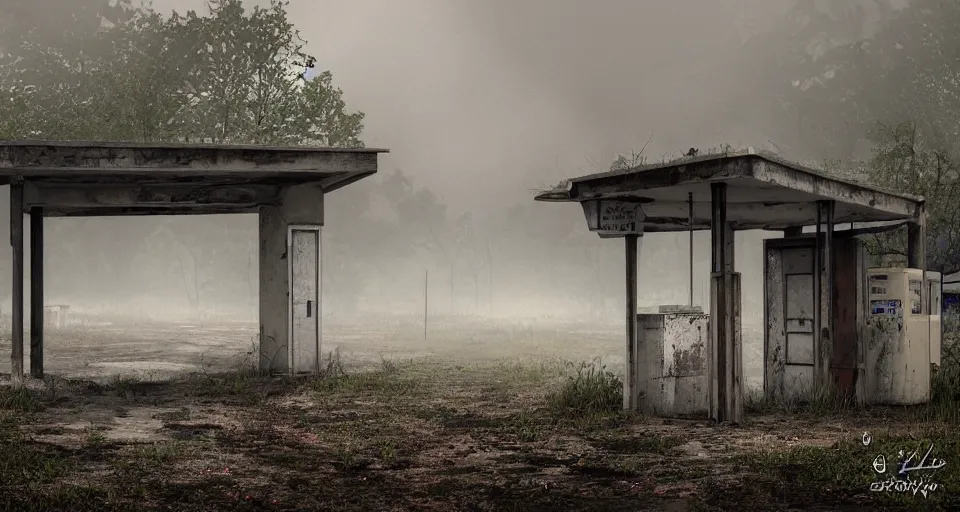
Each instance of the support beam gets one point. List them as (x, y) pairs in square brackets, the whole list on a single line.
[(137, 211), (69, 159), (300, 205), (825, 330), (16, 288), (718, 306), (917, 251), (690, 225), (724, 368), (160, 196), (631, 398), (36, 292), (793, 231), (818, 301), (674, 216), (916, 246), (750, 170)]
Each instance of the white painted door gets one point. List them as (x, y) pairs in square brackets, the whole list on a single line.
[(304, 299)]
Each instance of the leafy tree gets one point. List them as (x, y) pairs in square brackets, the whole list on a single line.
[(230, 76), (904, 160), (233, 75), (896, 74), (893, 85), (792, 84)]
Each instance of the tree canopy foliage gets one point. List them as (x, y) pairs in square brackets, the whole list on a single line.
[(102, 70), (876, 86), (231, 76)]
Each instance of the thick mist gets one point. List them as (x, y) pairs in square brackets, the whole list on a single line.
[(480, 103), (465, 346)]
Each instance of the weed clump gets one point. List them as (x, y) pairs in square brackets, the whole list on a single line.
[(19, 399), (945, 386), (389, 379), (590, 390)]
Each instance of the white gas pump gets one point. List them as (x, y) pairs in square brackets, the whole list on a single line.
[(898, 354)]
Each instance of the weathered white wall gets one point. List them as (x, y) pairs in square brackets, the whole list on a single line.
[(302, 204), (671, 364)]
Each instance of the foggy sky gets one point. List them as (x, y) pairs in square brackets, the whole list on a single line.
[(482, 100)]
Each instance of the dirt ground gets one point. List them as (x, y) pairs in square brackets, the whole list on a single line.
[(466, 422), (159, 350)]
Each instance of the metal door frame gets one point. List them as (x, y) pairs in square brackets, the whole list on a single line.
[(290, 347)]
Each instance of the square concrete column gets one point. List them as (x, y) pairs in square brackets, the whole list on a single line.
[(289, 287), (823, 290), (725, 357), (631, 396), (36, 292), (16, 282), (917, 248)]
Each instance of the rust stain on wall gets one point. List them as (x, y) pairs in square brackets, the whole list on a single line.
[(688, 362)]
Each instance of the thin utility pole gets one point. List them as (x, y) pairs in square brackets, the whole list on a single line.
[(691, 248), (425, 282), (489, 279)]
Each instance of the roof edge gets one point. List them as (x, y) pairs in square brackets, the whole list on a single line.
[(564, 191), (180, 145)]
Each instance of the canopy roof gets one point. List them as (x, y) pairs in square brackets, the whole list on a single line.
[(763, 192), (108, 178)]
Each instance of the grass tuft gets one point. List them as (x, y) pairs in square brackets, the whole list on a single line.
[(19, 399), (945, 385), (591, 390)]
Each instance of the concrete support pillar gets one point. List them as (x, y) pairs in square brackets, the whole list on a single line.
[(916, 246), (631, 396), (917, 252), (36, 292), (725, 364), (301, 205), (16, 283), (690, 221), (823, 291)]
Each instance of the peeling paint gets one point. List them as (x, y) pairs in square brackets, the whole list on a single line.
[(775, 336), (671, 363), (790, 353), (897, 359)]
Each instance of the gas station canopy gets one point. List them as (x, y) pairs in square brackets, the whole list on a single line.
[(284, 186), (745, 190), (763, 192)]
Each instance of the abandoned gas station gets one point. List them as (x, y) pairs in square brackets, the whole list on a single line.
[(830, 323), (284, 186)]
